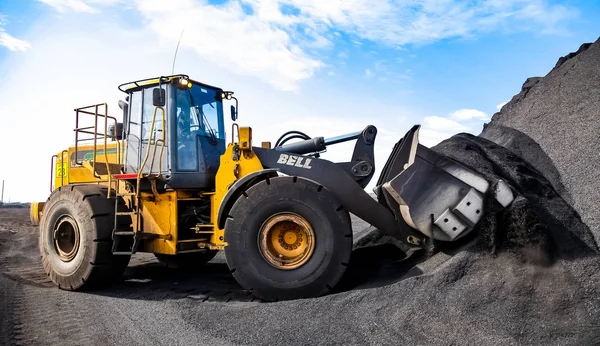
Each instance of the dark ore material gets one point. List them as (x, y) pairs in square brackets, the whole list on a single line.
[(561, 113)]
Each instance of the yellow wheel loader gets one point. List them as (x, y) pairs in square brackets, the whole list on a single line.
[(163, 180)]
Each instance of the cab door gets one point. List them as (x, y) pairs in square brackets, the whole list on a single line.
[(145, 139)]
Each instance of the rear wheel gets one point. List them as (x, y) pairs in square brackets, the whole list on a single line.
[(75, 238), (288, 238)]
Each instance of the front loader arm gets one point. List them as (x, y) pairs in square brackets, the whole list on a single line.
[(346, 181), (362, 165), (421, 194)]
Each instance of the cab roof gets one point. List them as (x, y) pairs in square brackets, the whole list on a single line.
[(145, 83)]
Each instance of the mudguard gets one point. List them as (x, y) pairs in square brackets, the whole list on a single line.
[(35, 212), (237, 188)]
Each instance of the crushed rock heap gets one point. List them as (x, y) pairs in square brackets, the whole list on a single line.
[(554, 124), (532, 275)]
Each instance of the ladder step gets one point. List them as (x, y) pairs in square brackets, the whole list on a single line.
[(204, 232), (124, 233), (127, 194), (190, 251), (125, 213), (205, 225), (122, 253), (191, 241)]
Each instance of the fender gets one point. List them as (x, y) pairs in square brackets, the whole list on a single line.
[(237, 188), (35, 212)]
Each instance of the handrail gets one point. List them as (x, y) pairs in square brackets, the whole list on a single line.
[(52, 164), (98, 112), (233, 126), (141, 171), (150, 138), (52, 172)]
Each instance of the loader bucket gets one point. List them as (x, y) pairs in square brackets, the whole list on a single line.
[(433, 194)]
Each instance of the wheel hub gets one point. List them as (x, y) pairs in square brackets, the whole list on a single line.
[(286, 240), (66, 238)]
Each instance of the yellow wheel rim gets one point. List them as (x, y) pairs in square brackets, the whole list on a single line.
[(66, 238), (286, 240)]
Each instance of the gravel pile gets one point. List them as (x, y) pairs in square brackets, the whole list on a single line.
[(554, 123)]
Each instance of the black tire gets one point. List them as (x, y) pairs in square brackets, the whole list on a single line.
[(86, 208), (330, 223), (186, 261)]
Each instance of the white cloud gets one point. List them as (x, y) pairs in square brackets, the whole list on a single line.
[(435, 129), (499, 107), (282, 41), (228, 37), (13, 43), (468, 114), (443, 124), (84, 6), (369, 73), (429, 137), (9, 41), (399, 22), (74, 5)]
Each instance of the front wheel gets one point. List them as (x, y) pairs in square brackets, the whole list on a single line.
[(288, 238)]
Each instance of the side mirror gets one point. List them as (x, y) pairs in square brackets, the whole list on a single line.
[(158, 97), (115, 132), (233, 113)]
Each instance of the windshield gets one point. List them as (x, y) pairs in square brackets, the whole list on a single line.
[(199, 118), (199, 113)]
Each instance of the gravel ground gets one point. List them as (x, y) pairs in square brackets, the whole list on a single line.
[(530, 276)]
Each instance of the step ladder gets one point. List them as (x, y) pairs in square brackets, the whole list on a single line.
[(129, 236), (125, 240), (126, 236)]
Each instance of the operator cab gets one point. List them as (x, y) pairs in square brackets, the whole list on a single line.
[(175, 125)]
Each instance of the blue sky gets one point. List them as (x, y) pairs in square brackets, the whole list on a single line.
[(325, 67)]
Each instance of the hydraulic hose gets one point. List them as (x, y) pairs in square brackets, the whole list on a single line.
[(301, 135)]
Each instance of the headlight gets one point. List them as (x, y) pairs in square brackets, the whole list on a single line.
[(185, 83)]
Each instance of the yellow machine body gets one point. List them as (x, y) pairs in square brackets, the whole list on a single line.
[(230, 171), (66, 171), (159, 212)]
